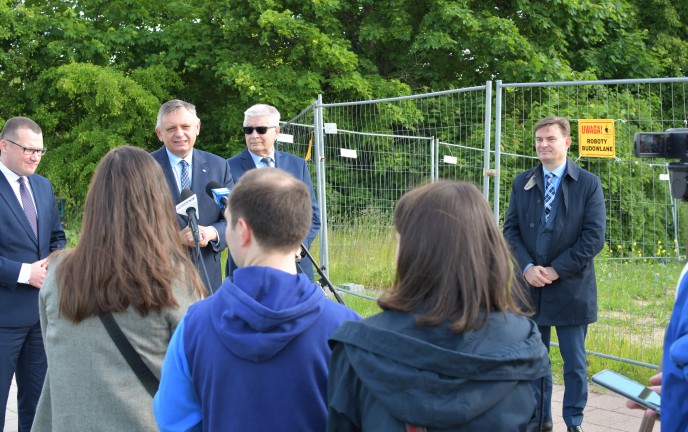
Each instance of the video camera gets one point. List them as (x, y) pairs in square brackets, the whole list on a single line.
[(670, 144)]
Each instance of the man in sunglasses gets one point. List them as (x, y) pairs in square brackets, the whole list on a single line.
[(261, 128), (31, 230)]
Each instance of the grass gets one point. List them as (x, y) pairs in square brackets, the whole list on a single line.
[(363, 256)]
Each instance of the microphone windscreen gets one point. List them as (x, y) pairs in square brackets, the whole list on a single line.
[(186, 193), (210, 186)]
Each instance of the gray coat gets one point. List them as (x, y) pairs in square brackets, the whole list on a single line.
[(89, 386), (577, 236)]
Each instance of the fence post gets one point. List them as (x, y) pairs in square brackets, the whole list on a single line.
[(319, 140), (498, 146), (488, 129)]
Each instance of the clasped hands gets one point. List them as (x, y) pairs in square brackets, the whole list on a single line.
[(539, 276)]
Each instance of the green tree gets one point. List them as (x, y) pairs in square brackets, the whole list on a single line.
[(93, 72)]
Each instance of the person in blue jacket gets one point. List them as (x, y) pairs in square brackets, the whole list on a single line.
[(555, 225), (261, 130), (672, 382), (452, 350), (254, 356)]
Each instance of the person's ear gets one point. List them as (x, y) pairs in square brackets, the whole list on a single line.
[(244, 232)]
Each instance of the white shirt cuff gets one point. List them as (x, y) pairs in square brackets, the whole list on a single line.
[(24, 274)]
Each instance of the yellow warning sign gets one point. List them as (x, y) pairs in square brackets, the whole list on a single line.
[(596, 138)]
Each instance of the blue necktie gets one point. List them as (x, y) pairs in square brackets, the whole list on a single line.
[(184, 177), (550, 191), (268, 162), (29, 207)]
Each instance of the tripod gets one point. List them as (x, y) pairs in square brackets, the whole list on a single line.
[(323, 281)]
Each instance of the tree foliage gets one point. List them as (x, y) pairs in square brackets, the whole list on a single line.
[(94, 72)]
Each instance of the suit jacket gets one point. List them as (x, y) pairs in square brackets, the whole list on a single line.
[(577, 236), (297, 167), (18, 245), (206, 167)]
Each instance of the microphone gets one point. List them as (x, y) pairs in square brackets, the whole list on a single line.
[(189, 207), (218, 193)]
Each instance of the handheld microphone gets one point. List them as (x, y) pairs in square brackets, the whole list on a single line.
[(218, 193), (189, 207)]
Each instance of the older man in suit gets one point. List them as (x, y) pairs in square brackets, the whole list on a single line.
[(556, 225), (261, 128), (177, 127), (31, 231)]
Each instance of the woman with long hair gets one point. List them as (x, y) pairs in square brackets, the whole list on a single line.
[(452, 349), (129, 262)]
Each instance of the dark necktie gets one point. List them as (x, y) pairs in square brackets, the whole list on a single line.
[(184, 177), (268, 162), (29, 208), (550, 191)]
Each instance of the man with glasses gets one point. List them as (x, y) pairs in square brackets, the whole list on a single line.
[(261, 128), (187, 168), (31, 231)]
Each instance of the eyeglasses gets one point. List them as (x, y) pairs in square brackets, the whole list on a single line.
[(262, 130), (28, 151)]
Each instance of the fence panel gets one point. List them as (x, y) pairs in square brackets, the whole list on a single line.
[(380, 150), (644, 224), (372, 152)]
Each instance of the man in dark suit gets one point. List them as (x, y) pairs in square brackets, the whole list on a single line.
[(188, 168), (261, 128), (556, 225), (31, 231)]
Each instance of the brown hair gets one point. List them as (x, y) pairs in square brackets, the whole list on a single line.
[(453, 263), (9, 131), (275, 205), (129, 252), (15, 123), (562, 122)]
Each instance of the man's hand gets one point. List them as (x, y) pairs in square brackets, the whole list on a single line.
[(205, 235), (38, 271), (551, 273), (656, 381), (539, 276)]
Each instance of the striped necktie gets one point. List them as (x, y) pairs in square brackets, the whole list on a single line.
[(28, 205), (550, 191)]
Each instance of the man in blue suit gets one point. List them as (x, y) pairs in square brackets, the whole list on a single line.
[(31, 231), (555, 226), (188, 168), (261, 128)]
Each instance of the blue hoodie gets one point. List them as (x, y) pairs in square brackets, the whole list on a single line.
[(251, 357), (675, 364)]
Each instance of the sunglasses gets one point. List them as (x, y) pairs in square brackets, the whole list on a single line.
[(262, 130)]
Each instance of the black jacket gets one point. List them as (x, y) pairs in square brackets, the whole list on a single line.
[(577, 236), (386, 371)]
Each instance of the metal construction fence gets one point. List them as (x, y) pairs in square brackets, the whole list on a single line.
[(365, 155)]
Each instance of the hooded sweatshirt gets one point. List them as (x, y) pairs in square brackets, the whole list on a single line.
[(386, 371), (252, 357), (675, 363)]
